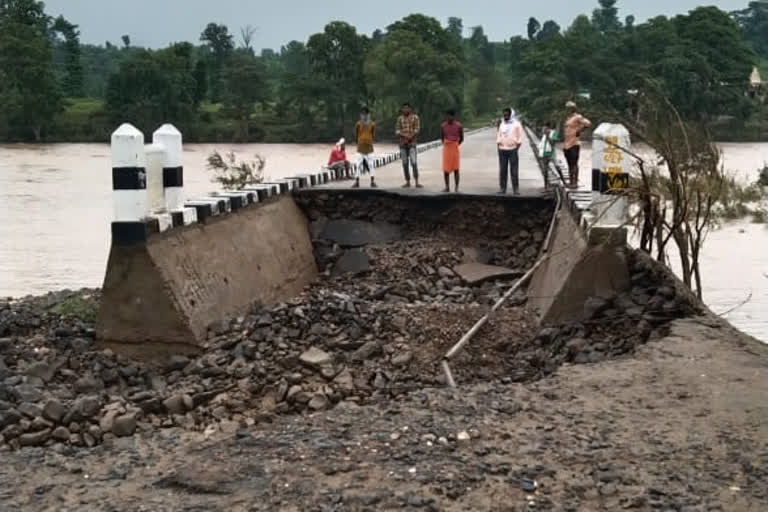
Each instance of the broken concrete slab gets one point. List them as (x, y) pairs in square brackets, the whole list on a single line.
[(357, 233), (354, 261), (476, 273), (475, 255)]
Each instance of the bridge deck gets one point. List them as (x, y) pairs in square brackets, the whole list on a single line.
[(479, 169)]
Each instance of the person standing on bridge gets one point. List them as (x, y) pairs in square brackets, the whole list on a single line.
[(509, 139), (365, 133), (407, 129), (452, 135), (574, 124)]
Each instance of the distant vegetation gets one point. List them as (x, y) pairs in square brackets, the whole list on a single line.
[(218, 88)]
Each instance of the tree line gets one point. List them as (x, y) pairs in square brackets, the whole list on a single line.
[(219, 88)]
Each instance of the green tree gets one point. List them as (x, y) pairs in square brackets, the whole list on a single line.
[(719, 63), (220, 45), (73, 66), (29, 93), (548, 30), (430, 31), (533, 28), (151, 88), (456, 27), (417, 63), (243, 87), (337, 56), (606, 17), (484, 84), (754, 21), (299, 93)]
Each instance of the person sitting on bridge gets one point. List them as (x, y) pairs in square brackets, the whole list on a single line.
[(407, 130), (574, 125), (338, 159), (365, 133), (452, 135), (509, 139)]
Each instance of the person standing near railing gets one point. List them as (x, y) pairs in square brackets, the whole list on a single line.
[(574, 124), (546, 148), (365, 133), (407, 129), (509, 139)]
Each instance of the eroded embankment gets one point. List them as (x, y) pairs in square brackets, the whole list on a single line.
[(401, 281)]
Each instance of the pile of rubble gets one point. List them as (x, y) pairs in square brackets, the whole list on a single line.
[(362, 334)]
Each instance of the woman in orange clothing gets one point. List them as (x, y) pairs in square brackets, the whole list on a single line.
[(452, 135)]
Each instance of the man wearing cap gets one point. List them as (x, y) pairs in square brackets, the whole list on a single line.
[(365, 133), (574, 124)]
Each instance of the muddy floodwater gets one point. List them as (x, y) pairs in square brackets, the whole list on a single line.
[(56, 206)]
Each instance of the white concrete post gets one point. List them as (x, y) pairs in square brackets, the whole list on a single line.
[(611, 167), (173, 171), (129, 176), (155, 159)]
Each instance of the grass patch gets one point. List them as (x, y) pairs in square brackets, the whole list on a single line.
[(210, 108), (83, 106), (78, 306)]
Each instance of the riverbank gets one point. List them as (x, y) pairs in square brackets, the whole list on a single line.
[(336, 401), (84, 120)]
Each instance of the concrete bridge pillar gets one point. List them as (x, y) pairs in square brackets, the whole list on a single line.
[(611, 166), (170, 139), (129, 184)]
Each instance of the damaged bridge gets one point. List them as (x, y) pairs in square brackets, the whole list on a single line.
[(179, 268)]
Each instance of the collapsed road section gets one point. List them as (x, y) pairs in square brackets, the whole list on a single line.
[(399, 280), (334, 398)]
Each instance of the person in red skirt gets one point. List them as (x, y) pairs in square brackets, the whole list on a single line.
[(452, 135)]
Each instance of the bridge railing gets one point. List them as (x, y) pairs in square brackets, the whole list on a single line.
[(148, 184), (590, 208)]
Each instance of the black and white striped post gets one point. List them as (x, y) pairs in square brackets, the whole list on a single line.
[(131, 223), (170, 139)]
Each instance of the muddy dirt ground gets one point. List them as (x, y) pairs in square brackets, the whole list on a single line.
[(682, 425), (335, 401)]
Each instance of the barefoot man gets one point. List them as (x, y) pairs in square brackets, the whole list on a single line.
[(407, 129), (574, 125), (452, 135)]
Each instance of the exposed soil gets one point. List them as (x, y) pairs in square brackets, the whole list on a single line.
[(336, 401), (682, 425)]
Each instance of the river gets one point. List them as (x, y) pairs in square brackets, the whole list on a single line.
[(56, 201)]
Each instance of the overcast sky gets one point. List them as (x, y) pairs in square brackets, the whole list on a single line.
[(155, 23)]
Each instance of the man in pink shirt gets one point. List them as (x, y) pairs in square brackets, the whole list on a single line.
[(509, 139)]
